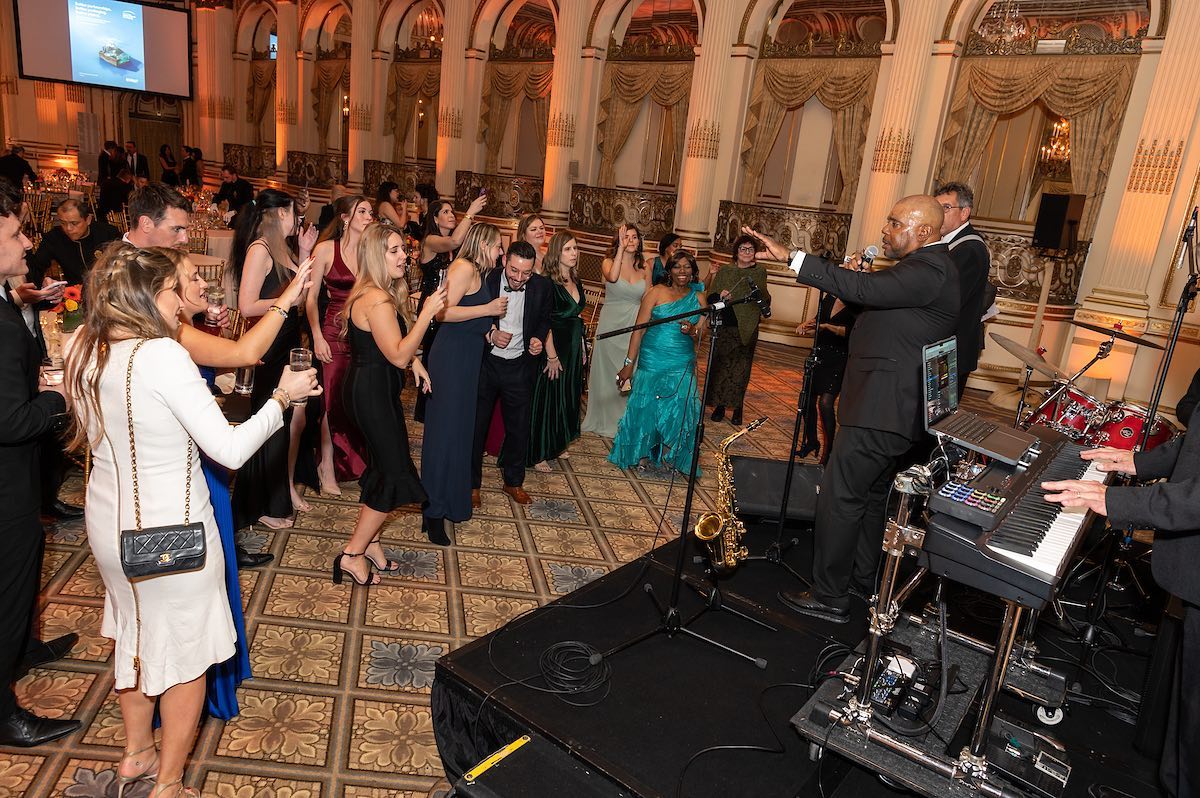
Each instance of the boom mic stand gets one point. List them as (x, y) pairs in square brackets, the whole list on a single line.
[(672, 622)]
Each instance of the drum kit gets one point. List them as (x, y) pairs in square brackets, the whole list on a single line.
[(1077, 414)]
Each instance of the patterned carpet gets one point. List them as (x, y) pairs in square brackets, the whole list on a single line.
[(339, 705)]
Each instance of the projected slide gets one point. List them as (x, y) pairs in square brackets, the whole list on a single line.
[(107, 43)]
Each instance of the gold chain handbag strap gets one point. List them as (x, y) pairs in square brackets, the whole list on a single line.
[(137, 503)]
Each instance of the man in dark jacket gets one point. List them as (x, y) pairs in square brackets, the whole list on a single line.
[(906, 307), (15, 168), (974, 262), (235, 190), (1172, 507), (114, 192), (74, 244)]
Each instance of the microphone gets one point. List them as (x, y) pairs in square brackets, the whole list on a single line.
[(764, 304), (1189, 237), (870, 254)]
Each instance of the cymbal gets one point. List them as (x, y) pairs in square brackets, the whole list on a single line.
[(1029, 357), (1119, 334)]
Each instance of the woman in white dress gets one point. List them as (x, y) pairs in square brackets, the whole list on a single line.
[(169, 629)]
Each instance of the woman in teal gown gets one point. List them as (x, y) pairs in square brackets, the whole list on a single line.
[(660, 418)]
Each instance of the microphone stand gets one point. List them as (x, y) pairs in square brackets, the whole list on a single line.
[(671, 621)]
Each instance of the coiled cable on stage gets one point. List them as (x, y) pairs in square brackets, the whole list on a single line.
[(572, 668)]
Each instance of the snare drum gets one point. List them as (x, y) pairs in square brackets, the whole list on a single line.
[(1074, 413), (1123, 424)]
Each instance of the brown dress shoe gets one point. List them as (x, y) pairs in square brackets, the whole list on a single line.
[(476, 501), (518, 494)]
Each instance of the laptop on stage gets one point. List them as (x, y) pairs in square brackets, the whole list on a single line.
[(943, 416)]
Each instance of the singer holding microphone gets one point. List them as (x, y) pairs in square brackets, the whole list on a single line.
[(905, 307), (736, 343)]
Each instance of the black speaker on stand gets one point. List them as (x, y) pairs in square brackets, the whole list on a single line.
[(1057, 224)]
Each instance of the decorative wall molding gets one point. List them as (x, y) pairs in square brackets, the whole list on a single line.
[(450, 123), (251, 161), (1086, 45), (508, 196), (603, 210), (45, 91), (644, 49), (360, 116), (1154, 167), (76, 94), (893, 152), (1017, 268), (319, 171), (406, 175), (809, 229), (816, 46), (213, 107), (285, 111), (704, 139), (9, 85), (522, 54), (417, 54), (560, 130)]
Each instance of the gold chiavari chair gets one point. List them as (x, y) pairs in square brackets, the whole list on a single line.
[(198, 240), (595, 300), (120, 220), (212, 272)]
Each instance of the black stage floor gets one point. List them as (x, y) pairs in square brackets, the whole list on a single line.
[(668, 699)]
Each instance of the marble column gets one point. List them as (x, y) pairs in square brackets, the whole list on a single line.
[(287, 81), (362, 88), (573, 19), (452, 104)]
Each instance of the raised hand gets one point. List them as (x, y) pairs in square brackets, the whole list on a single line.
[(773, 250)]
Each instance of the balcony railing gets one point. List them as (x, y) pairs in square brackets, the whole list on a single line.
[(406, 175), (508, 196), (1018, 268), (317, 171), (809, 229), (251, 161), (603, 210)]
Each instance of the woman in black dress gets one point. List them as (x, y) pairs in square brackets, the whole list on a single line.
[(382, 344), (170, 167), (189, 174), (835, 321), (454, 363)]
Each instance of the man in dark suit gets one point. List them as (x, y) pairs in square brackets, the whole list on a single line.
[(114, 192), (971, 258), (15, 169), (235, 190), (1172, 507), (27, 412), (510, 363), (905, 307), (135, 162)]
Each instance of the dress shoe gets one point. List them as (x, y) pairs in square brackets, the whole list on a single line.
[(518, 494), (736, 418), (805, 603), (476, 500), (41, 652), (247, 560), (718, 413), (23, 729), (62, 510), (861, 594), (435, 531)]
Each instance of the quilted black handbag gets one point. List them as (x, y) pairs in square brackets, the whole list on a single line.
[(160, 550)]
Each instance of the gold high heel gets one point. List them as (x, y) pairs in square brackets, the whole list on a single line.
[(146, 775)]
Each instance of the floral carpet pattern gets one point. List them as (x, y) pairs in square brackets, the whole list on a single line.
[(339, 703)]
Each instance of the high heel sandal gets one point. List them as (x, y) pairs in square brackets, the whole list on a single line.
[(329, 484), (389, 567), (338, 570), (435, 530), (180, 790), (145, 775)]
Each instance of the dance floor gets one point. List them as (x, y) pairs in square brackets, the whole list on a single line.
[(339, 705)]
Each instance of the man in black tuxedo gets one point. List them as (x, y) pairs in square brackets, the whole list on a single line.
[(27, 412), (912, 304), (510, 363), (971, 258), (135, 162), (1172, 507), (235, 190)]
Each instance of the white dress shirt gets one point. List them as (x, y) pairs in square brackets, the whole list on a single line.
[(512, 321)]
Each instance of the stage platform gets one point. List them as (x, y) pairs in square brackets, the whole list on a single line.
[(648, 728)]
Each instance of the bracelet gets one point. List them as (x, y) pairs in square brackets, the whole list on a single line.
[(282, 313), (283, 400), (628, 362), (552, 358)]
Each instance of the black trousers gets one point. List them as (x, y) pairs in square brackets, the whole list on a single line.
[(1180, 771), (21, 544), (512, 381), (851, 511), (53, 463)]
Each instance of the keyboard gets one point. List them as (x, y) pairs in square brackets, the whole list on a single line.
[(968, 427)]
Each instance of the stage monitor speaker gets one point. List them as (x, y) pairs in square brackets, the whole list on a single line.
[(1057, 224), (1155, 706), (759, 486)]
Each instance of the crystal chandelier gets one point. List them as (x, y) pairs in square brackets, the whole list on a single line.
[(1054, 157), (1004, 23)]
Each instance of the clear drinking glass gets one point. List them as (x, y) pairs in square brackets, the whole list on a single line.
[(300, 360), (216, 304), (243, 381)]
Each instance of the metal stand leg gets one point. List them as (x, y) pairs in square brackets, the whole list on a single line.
[(973, 756)]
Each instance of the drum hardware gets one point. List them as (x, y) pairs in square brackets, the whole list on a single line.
[(1032, 360)]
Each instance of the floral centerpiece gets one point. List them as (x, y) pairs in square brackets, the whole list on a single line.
[(71, 308)]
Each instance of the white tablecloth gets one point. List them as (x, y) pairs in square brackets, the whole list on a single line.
[(220, 243)]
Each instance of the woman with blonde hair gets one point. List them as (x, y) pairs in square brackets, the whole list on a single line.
[(383, 340), (454, 361), (139, 400)]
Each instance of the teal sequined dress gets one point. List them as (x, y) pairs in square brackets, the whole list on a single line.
[(660, 417)]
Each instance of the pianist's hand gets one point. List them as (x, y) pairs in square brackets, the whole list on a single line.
[(1078, 493), (1110, 459)]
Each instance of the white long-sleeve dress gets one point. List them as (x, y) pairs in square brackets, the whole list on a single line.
[(185, 620)]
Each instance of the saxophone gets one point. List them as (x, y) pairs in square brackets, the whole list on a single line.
[(721, 532)]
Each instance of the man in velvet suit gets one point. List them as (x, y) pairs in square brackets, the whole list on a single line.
[(971, 258), (1172, 507), (27, 412), (510, 363), (912, 304)]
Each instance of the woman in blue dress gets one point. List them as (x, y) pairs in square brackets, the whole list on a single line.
[(660, 418)]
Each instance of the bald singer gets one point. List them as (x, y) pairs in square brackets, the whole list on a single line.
[(906, 307)]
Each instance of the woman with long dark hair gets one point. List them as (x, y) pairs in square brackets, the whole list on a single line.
[(170, 168), (335, 268), (626, 280), (388, 205), (262, 265)]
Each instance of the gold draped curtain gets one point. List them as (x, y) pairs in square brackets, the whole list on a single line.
[(260, 94), (330, 77), (1090, 91), (409, 82), (626, 84), (503, 82), (845, 86)]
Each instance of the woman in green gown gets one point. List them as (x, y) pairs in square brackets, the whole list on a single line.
[(559, 388)]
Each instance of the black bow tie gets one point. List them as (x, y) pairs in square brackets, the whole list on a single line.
[(515, 290)]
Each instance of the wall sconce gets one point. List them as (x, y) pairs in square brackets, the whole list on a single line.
[(420, 113), (345, 106)]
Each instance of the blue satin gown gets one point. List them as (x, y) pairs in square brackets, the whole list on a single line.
[(224, 677)]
